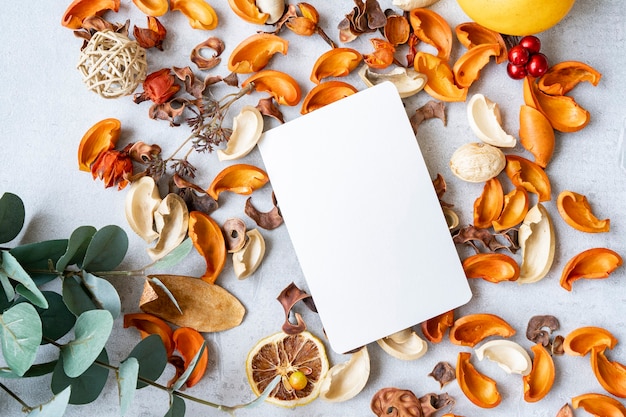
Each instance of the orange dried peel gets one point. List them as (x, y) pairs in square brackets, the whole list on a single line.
[(599, 405), (248, 11), (100, 137), (152, 8), (199, 13), (576, 211), (397, 29), (492, 267), (611, 375), (467, 68), (478, 388), (435, 328), (148, 324), (514, 211), (472, 329), (383, 54), (326, 93), (525, 173), (536, 134), (564, 76), (188, 343), (540, 380), (471, 34), (238, 178), (488, 206), (254, 53), (440, 83), (432, 28), (582, 340), (336, 62), (208, 239), (281, 86), (78, 10), (595, 263)]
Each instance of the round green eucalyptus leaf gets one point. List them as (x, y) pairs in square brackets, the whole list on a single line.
[(177, 407), (85, 388), (40, 256), (26, 286), (91, 331), (20, 334), (56, 320), (76, 247), (106, 249), (127, 382), (53, 408), (90, 293), (152, 358), (12, 215)]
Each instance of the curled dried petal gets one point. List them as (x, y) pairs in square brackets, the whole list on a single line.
[(576, 211), (536, 134), (281, 86), (288, 298), (152, 8), (432, 28), (582, 340), (247, 259), (266, 220), (382, 57), (238, 178), (478, 388), (171, 220), (199, 13), (492, 267), (152, 36), (540, 380), (595, 263), (488, 206), (467, 68), (337, 62), (525, 173), (471, 34), (535, 330), (345, 380), (247, 130), (234, 230), (207, 63), (396, 402), (564, 76), (142, 200), (611, 375), (599, 405), (78, 10), (189, 342), (432, 109), (435, 328), (537, 241), (248, 11), (514, 210), (326, 93), (254, 53), (471, 329), (485, 120), (100, 137), (440, 84), (148, 324), (209, 241), (143, 153)]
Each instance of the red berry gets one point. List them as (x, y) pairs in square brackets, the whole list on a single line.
[(517, 72), (537, 65), (518, 55), (531, 43)]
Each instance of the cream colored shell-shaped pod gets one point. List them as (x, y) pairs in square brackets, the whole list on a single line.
[(477, 162), (274, 8), (486, 122), (172, 221), (406, 80), (405, 345), (408, 5), (537, 243), (247, 130), (247, 259), (345, 380), (141, 202), (508, 354)]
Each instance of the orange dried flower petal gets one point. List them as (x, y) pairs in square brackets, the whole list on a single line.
[(488, 206), (435, 328), (582, 340), (478, 388), (515, 207), (536, 134), (382, 56), (152, 36), (100, 137), (238, 178), (309, 12), (540, 380), (472, 329), (564, 76), (189, 342), (397, 29), (199, 13), (208, 239), (576, 211), (599, 405), (147, 324), (471, 34), (301, 26), (280, 85), (467, 68), (248, 11), (525, 173), (611, 375), (595, 263), (492, 267), (440, 83), (337, 62), (253, 53), (326, 93), (152, 8), (78, 10), (433, 29)]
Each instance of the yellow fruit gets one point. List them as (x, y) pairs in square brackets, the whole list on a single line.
[(283, 354), (516, 17)]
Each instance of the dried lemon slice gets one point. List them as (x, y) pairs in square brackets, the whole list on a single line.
[(283, 354)]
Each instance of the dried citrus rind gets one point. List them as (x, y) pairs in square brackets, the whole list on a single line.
[(397, 29), (478, 388), (611, 375), (575, 209), (238, 178), (471, 329), (199, 13), (78, 10), (525, 173), (488, 206), (208, 239), (154, 8), (432, 28), (100, 137), (564, 76), (326, 93), (281, 86), (536, 239), (594, 263), (336, 62), (540, 380), (440, 78), (248, 11), (382, 56), (599, 405), (582, 340), (467, 68), (254, 53), (434, 329), (515, 208), (492, 267), (471, 34), (536, 134)]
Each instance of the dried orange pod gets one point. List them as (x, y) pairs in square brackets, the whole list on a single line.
[(435, 328), (440, 83), (279, 85), (78, 10), (238, 178), (576, 211), (492, 267), (515, 207), (564, 76), (539, 381), (326, 93), (100, 137), (337, 62), (596, 263), (488, 206), (467, 68), (433, 29), (148, 324), (248, 11), (189, 342), (536, 134), (471, 34), (581, 341), (478, 388), (525, 173), (397, 29), (253, 53), (599, 405), (199, 13), (382, 56), (611, 375), (208, 239), (152, 8), (472, 329)]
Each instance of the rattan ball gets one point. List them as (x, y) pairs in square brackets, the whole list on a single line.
[(112, 65)]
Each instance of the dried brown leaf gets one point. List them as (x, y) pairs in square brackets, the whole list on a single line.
[(536, 331), (268, 107), (431, 403), (214, 43), (472, 235), (288, 298), (443, 373), (168, 111), (267, 220), (432, 109)]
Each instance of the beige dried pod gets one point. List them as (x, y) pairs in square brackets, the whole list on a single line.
[(141, 202), (537, 243), (452, 219), (406, 80), (171, 219), (508, 354), (405, 345), (485, 121), (345, 380), (274, 9), (408, 5), (247, 130), (247, 259), (477, 162)]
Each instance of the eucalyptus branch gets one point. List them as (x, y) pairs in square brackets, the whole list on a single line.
[(25, 407)]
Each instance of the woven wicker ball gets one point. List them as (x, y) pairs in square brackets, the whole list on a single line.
[(112, 65)]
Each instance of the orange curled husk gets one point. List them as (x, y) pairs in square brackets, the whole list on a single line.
[(326, 93), (611, 375), (492, 267), (279, 85), (525, 173), (248, 11), (382, 57), (152, 36), (599, 405), (238, 178), (488, 206), (536, 134), (595, 263), (467, 68), (564, 76), (472, 329), (397, 29), (440, 78), (478, 388), (539, 381), (253, 53), (337, 62), (147, 324), (576, 211), (189, 342), (582, 340), (208, 239), (514, 211), (435, 328), (152, 8), (100, 137), (199, 13), (78, 10), (433, 29), (471, 34)]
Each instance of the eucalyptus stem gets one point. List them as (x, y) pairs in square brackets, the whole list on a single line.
[(25, 407)]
